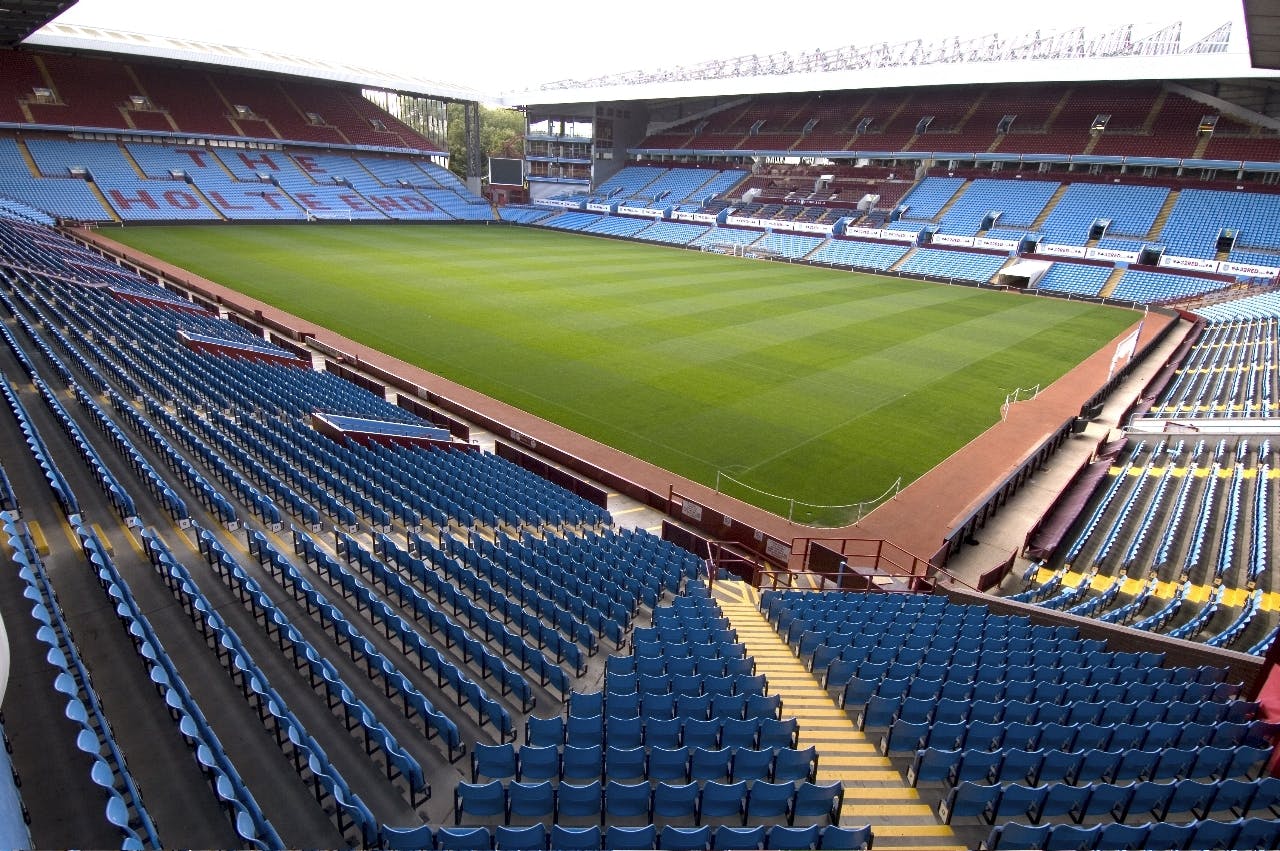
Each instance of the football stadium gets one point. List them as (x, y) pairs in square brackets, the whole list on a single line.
[(865, 447)]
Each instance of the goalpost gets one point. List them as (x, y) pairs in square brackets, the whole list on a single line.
[(1018, 394), (329, 215), (740, 249)]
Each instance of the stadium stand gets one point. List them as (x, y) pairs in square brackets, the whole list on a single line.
[(90, 91), (400, 619), (1129, 211), (960, 265), (1075, 278)]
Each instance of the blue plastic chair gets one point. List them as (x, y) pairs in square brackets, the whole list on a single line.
[(904, 737), (785, 837), (675, 838), (1167, 836), (1072, 837), (544, 731), (1190, 796), (624, 763), (1150, 798), (584, 731), (791, 765), (733, 838), (409, 838), (497, 762), (770, 801), (1217, 834), (674, 800), (531, 800), (968, 799), (933, 765), (584, 704), (710, 764), (532, 837), (1018, 801), (671, 764), (623, 731), (575, 838), (723, 800), (738, 733), (462, 838), (1249, 761), (627, 800), (482, 800), (539, 762), (581, 763), (1256, 833), (1017, 837), (834, 836), (752, 765), (818, 800), (620, 838), (778, 733), (1065, 800), (579, 800), (705, 734)]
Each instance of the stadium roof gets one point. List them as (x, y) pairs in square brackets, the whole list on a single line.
[(1124, 52), (20, 18), (1262, 20), (102, 40)]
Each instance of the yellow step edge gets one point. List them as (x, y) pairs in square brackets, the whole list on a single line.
[(870, 793), (886, 775), (104, 540), (912, 830), (833, 749), (850, 763), (857, 809), (38, 538)]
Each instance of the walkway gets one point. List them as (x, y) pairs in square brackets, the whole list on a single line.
[(875, 792)]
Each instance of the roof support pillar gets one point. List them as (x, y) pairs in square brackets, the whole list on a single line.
[(471, 137)]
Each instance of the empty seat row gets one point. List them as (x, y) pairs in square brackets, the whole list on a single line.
[(536, 837), (712, 801), (681, 765), (725, 706), (662, 731), (1253, 832), (912, 736), (1020, 765)]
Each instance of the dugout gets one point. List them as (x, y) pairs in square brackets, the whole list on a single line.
[(1024, 275)]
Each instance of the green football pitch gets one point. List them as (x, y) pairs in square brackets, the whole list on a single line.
[(817, 385)]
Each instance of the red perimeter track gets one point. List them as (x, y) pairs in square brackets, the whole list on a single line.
[(918, 519)]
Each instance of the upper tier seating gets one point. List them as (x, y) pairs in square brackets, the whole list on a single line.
[(1131, 210), (100, 92), (930, 196), (1019, 202), (1199, 215), (1145, 121)]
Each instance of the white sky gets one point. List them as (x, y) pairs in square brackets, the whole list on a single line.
[(504, 45)]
